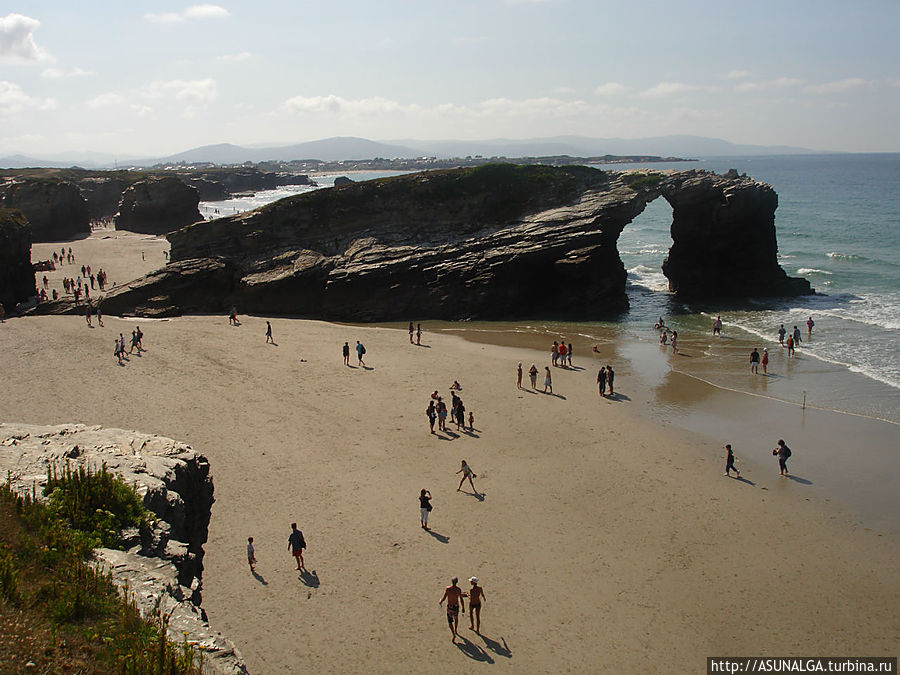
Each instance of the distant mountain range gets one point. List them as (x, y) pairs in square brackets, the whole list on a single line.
[(349, 148)]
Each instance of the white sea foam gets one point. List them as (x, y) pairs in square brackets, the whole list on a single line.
[(648, 277), (812, 270)]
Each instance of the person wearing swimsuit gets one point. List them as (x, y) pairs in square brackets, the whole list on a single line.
[(454, 596), (476, 597)]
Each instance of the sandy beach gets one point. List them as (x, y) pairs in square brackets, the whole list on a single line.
[(606, 539)]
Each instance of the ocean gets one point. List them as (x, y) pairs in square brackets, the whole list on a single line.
[(838, 225)]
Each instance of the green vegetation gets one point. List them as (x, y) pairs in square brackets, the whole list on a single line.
[(59, 612), (639, 181), (97, 503)]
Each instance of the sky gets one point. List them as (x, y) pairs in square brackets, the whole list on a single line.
[(144, 78)]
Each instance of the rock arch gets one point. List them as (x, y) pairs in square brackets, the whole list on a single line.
[(493, 242)]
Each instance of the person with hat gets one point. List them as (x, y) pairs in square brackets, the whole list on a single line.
[(765, 360), (476, 597)]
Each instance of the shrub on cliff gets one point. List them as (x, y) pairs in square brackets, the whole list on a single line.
[(98, 503)]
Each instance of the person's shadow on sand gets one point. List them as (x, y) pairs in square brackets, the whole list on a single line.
[(274, 344), (741, 479), (496, 647), (311, 579), (618, 397), (473, 651), (368, 368), (443, 538), (478, 495), (471, 432), (798, 479), (259, 577)]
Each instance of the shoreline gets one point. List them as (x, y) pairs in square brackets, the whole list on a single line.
[(611, 514)]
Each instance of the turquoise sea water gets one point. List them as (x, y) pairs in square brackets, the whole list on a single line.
[(838, 225)]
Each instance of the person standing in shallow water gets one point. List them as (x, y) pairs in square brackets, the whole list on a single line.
[(781, 334), (809, 326), (765, 360), (754, 361)]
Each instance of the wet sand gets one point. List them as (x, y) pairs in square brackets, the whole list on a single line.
[(606, 537)]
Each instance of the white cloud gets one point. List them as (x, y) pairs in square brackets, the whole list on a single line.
[(241, 56), (836, 87), (563, 90), (56, 73), (610, 89), (191, 91), (14, 100), (788, 82), (105, 100), (737, 74), (674, 88), (17, 40), (189, 13), (333, 104), (777, 83)]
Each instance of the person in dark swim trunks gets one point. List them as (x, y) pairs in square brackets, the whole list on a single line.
[(454, 596)]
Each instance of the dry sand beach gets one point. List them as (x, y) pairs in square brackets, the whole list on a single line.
[(607, 539)]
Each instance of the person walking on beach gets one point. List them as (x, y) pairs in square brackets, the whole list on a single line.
[(476, 597), (729, 462), (424, 507), (809, 326), (790, 345), (532, 374), (754, 361), (346, 351), (717, 327), (548, 382), (454, 596), (601, 381), (251, 554), (569, 354), (296, 544), (87, 313), (765, 360), (781, 334), (232, 316), (467, 472), (360, 351), (411, 331), (269, 337), (519, 376), (419, 334), (431, 411), (784, 453), (610, 376), (674, 341)]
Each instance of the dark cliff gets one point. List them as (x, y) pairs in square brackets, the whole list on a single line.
[(16, 272), (157, 205), (56, 209), (493, 242)]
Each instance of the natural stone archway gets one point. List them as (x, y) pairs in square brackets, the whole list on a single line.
[(494, 242)]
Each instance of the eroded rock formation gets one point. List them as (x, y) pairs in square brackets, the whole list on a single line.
[(157, 205), (493, 242), (56, 209), (16, 271), (163, 566)]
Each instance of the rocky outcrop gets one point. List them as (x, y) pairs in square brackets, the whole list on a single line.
[(342, 180), (55, 208), (16, 272), (103, 193), (163, 566), (157, 205), (493, 242), (223, 182), (723, 234)]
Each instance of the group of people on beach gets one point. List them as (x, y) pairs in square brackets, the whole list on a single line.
[(437, 410), (137, 337)]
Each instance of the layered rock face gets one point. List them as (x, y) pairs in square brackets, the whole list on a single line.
[(103, 194), (723, 233), (56, 209), (16, 272), (163, 566), (493, 242), (157, 206)]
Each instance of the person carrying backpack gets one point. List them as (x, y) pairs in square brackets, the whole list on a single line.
[(784, 453), (360, 350)]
